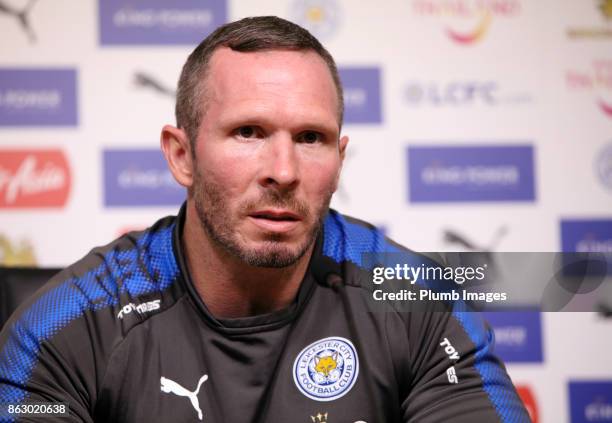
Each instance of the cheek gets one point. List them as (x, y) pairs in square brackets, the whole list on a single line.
[(226, 171), (321, 176)]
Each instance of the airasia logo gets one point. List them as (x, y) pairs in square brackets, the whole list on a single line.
[(528, 399), (33, 178)]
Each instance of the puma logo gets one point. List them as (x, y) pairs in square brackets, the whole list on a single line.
[(171, 387), (145, 80), (21, 16)]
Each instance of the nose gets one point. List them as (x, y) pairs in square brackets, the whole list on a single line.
[(280, 164)]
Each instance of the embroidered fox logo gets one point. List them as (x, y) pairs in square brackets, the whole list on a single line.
[(171, 387), (325, 365)]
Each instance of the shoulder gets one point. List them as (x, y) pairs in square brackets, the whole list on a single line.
[(137, 263), (346, 238), (360, 244), (86, 298)]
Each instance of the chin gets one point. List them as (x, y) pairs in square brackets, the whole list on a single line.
[(274, 254)]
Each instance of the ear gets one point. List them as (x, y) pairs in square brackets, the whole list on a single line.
[(177, 151), (317, 359), (342, 144)]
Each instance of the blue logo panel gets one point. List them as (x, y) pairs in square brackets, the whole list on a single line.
[(589, 236), (590, 401), (471, 173), (518, 335), (585, 236), (38, 97), (159, 22), (139, 178), (362, 103)]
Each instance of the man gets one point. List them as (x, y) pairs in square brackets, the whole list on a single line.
[(248, 306)]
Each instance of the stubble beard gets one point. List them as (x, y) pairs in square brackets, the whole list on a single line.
[(214, 214)]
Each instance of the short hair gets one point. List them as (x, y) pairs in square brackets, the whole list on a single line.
[(246, 35)]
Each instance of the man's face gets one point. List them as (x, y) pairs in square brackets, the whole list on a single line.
[(267, 155)]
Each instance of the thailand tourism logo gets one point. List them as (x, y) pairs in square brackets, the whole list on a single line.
[(466, 21), (595, 81)]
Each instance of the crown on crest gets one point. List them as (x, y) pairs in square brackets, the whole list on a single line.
[(319, 418)]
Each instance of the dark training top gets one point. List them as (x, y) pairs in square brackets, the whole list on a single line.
[(123, 336)]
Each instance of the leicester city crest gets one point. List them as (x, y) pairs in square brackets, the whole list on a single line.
[(326, 369), (321, 17)]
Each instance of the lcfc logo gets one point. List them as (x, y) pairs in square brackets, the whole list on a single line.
[(326, 369)]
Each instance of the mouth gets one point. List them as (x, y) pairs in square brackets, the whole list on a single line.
[(275, 220)]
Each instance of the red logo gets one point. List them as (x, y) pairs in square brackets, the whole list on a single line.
[(526, 395), (467, 21), (606, 108), (33, 178), (595, 80)]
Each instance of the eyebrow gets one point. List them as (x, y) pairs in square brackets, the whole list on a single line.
[(264, 120)]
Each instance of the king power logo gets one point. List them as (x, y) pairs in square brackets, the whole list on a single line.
[(518, 335), (159, 22), (38, 97), (470, 173), (466, 22), (33, 178), (590, 401)]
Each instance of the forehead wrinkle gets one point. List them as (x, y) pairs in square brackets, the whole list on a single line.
[(234, 84)]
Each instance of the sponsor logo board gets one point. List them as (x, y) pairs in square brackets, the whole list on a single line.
[(33, 178), (362, 100), (139, 177), (518, 335), (159, 22), (464, 93), (38, 97), (590, 401), (471, 173), (466, 22)]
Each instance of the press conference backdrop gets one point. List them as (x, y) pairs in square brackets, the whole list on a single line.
[(474, 124)]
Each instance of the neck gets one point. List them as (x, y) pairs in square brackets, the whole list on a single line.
[(231, 288)]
